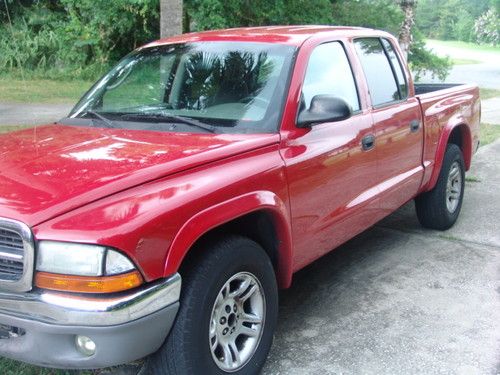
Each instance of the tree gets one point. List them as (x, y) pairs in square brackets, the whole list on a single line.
[(378, 14), (219, 14), (405, 35), (170, 17), (451, 19)]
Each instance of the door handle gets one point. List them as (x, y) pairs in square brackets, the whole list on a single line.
[(414, 126), (368, 142)]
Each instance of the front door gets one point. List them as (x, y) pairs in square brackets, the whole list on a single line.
[(332, 176)]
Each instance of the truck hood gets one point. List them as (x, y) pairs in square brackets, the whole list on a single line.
[(49, 170)]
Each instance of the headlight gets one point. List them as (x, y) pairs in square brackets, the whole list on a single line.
[(84, 268)]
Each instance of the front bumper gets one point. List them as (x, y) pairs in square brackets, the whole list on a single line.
[(124, 326)]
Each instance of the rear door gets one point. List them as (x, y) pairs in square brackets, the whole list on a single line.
[(397, 122)]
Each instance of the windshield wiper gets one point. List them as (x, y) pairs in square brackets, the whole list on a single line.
[(97, 115), (170, 118)]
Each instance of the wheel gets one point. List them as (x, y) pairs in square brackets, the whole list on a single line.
[(440, 207), (227, 316)]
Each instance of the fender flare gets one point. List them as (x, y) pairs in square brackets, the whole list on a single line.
[(226, 211), (441, 149)]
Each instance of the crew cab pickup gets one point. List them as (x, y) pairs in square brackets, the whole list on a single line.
[(187, 186)]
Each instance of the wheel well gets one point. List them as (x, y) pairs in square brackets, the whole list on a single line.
[(460, 136), (456, 137), (257, 226)]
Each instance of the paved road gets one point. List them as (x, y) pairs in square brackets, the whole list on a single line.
[(32, 114), (486, 74), (399, 299)]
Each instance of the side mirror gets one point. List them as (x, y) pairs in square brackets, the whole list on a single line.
[(324, 108)]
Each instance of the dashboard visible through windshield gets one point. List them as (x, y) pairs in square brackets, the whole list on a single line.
[(230, 87)]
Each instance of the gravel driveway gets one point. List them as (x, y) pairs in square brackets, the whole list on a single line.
[(399, 299)]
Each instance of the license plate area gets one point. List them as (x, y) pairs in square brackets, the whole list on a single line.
[(10, 332)]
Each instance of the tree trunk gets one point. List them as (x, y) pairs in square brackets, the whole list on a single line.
[(405, 38), (170, 18)]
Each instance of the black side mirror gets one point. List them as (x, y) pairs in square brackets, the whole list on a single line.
[(324, 108)]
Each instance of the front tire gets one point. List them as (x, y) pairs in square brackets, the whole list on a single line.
[(227, 315), (439, 208)]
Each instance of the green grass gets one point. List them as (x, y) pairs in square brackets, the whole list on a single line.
[(465, 45), (464, 61), (472, 179), (10, 367), (11, 128), (488, 93), (448, 237), (489, 133), (13, 90)]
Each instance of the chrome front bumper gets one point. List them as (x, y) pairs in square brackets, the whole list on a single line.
[(125, 326), (64, 309)]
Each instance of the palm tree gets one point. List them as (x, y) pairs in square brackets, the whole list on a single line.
[(170, 17), (405, 38)]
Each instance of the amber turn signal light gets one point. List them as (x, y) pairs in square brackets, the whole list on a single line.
[(88, 284)]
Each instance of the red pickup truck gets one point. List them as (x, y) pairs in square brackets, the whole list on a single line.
[(160, 218)]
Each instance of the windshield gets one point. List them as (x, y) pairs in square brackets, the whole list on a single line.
[(226, 86)]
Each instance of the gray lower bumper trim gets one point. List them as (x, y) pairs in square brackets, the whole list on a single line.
[(54, 345), (66, 309)]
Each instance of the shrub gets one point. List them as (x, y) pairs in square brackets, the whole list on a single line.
[(75, 38), (487, 28), (422, 60)]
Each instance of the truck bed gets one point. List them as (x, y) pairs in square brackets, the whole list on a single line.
[(445, 105), (424, 88)]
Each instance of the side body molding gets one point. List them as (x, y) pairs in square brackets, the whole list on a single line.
[(224, 212)]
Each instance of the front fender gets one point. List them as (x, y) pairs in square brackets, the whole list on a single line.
[(219, 214)]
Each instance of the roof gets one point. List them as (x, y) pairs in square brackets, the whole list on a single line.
[(293, 35)]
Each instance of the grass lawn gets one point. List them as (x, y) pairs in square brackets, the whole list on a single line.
[(489, 133), (464, 61), (488, 93), (465, 45), (8, 367), (10, 128), (41, 91)]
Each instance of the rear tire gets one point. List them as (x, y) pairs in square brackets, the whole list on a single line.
[(439, 208), (227, 315)]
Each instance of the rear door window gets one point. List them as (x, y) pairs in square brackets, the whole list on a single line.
[(378, 71), (398, 69)]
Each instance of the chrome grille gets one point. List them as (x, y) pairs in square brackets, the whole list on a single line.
[(11, 255), (16, 256)]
